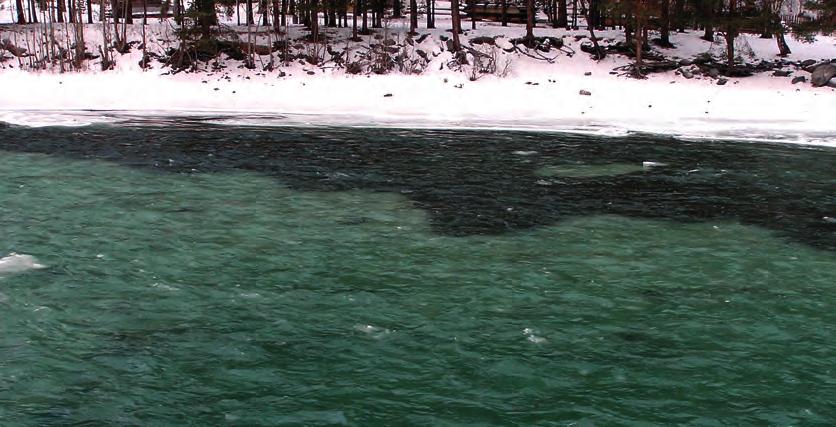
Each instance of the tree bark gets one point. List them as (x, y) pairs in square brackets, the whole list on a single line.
[(21, 17), (249, 12), (665, 24), (529, 23), (89, 11), (60, 10), (562, 18), (413, 15), (504, 13), (457, 24), (129, 11), (472, 14)]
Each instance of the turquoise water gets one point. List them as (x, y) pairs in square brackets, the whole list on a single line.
[(238, 297)]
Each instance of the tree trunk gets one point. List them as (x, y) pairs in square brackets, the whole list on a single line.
[(144, 13), (21, 18), (33, 15), (364, 28), (529, 23), (89, 11), (284, 13), (430, 13), (472, 14), (679, 15), (249, 12), (60, 10), (457, 24), (562, 18), (413, 15), (354, 20), (731, 33), (708, 35), (129, 12), (396, 9), (178, 15), (665, 24), (783, 47), (277, 19)]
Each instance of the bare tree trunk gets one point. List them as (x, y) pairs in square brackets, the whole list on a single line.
[(284, 13), (354, 20), (430, 13), (33, 15), (562, 19), (129, 12), (472, 14), (413, 15), (731, 33), (504, 13), (783, 47), (639, 37), (529, 23), (249, 12), (365, 27), (60, 10), (396, 9), (457, 24), (89, 11), (665, 24), (21, 18)]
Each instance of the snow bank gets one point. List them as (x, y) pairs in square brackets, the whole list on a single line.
[(535, 95)]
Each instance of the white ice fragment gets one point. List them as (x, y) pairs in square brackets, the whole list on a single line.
[(524, 153), (18, 263), (648, 165)]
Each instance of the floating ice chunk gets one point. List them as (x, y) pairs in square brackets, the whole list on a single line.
[(18, 263), (524, 153), (529, 335), (648, 165), (829, 219)]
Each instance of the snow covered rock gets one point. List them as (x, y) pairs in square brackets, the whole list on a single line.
[(799, 79), (585, 92), (822, 74)]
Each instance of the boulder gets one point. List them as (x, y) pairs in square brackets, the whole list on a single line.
[(799, 79), (685, 62), (822, 74), (687, 74), (832, 83), (714, 73), (585, 92), (782, 73), (721, 82), (807, 63)]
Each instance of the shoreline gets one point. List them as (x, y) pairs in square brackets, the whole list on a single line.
[(571, 94)]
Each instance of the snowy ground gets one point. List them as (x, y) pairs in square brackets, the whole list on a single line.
[(534, 94)]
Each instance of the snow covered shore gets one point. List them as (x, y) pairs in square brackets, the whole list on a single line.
[(533, 95)]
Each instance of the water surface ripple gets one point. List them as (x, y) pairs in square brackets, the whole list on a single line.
[(200, 275)]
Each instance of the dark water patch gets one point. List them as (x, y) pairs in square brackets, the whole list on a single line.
[(477, 182)]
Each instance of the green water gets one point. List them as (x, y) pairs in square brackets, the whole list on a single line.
[(230, 299)]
